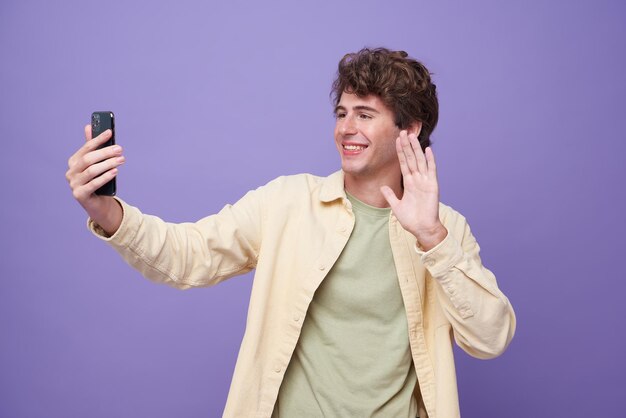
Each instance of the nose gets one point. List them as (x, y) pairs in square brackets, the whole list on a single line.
[(347, 126)]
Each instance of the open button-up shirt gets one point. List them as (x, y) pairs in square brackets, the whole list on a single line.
[(292, 231)]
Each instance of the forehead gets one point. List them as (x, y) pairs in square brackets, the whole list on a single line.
[(350, 101)]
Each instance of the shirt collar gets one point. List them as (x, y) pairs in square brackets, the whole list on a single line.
[(333, 187)]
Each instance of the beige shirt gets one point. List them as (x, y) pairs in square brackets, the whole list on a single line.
[(292, 231)]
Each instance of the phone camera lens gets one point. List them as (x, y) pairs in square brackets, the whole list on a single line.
[(95, 122)]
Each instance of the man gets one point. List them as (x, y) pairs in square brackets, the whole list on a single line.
[(362, 278)]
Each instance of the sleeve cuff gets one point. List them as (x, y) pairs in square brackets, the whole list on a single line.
[(127, 230), (442, 257)]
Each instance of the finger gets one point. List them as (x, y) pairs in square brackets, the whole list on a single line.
[(407, 149), (82, 150), (419, 155), (99, 140), (96, 142), (88, 154), (92, 144), (77, 163), (100, 181), (86, 190), (102, 154), (404, 166), (95, 170), (390, 197), (88, 132), (430, 160)]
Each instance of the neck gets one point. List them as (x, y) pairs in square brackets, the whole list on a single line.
[(367, 190)]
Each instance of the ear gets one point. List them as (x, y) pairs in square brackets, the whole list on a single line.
[(415, 128)]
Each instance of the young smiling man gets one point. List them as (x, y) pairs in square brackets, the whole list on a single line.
[(362, 278)]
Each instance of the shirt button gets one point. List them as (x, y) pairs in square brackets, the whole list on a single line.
[(296, 318), (430, 262), (322, 267), (277, 369)]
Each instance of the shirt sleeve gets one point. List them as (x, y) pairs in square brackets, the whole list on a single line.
[(185, 255), (482, 318)]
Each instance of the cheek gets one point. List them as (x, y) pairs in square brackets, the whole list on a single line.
[(391, 150), (395, 132), (336, 130), (391, 135)]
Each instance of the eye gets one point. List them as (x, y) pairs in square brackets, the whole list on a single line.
[(340, 115), (364, 116)]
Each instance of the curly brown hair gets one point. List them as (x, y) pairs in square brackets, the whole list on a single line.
[(401, 82)]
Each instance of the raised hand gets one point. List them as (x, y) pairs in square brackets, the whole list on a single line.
[(90, 168), (418, 208)]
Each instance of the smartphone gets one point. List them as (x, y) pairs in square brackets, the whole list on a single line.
[(100, 122)]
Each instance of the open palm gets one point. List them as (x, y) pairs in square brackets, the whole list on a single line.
[(418, 208)]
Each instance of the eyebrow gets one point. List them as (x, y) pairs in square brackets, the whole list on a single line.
[(366, 108)]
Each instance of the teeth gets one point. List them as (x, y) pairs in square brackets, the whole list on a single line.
[(353, 147)]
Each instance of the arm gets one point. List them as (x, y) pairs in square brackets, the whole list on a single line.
[(182, 255), (190, 254), (482, 318)]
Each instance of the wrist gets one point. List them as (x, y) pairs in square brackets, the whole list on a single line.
[(429, 238), (107, 214)]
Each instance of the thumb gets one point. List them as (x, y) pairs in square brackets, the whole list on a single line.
[(88, 132), (389, 196)]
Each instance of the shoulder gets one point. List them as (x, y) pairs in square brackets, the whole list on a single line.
[(296, 180), (298, 193), (304, 185)]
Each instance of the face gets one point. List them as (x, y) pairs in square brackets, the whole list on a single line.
[(365, 136)]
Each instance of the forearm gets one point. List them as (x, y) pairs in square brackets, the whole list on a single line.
[(187, 254), (482, 319), (481, 316)]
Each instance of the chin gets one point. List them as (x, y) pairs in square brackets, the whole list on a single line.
[(354, 171), (351, 169)]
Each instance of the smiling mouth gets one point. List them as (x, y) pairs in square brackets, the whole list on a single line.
[(354, 147)]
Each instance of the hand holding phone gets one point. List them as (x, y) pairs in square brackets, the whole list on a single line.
[(91, 167)]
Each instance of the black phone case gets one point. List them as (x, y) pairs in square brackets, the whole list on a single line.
[(100, 122)]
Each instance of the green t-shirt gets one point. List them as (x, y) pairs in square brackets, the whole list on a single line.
[(353, 357)]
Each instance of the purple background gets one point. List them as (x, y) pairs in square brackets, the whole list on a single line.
[(213, 99)]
